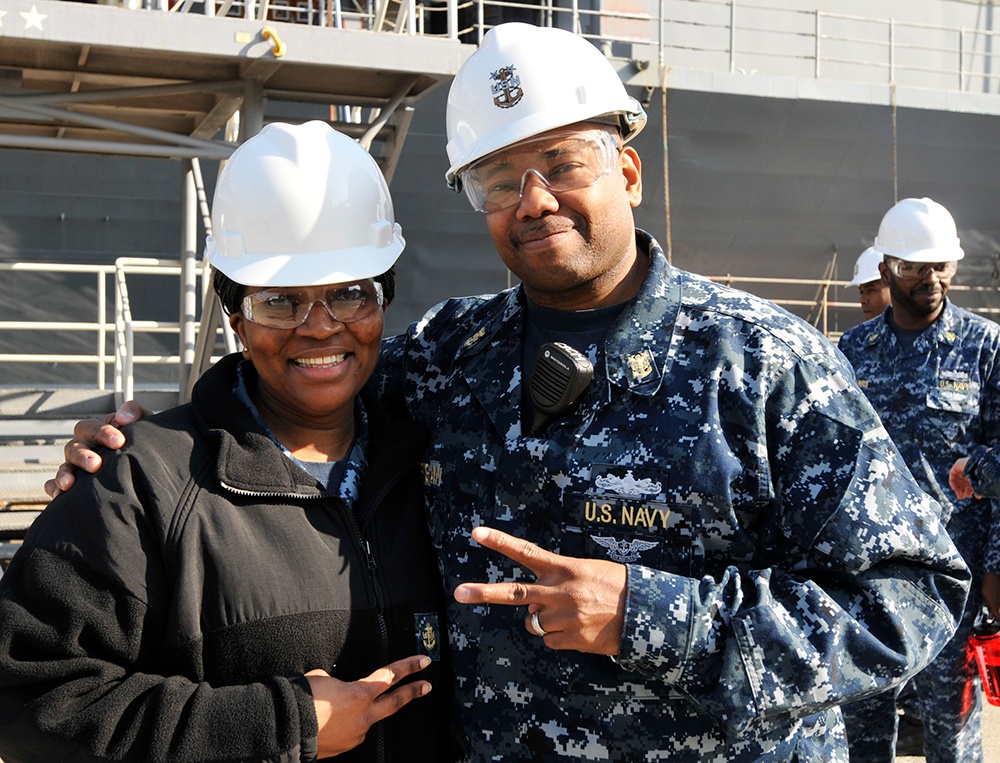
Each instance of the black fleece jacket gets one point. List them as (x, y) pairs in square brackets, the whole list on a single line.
[(166, 608)]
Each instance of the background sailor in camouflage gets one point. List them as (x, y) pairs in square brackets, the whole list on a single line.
[(931, 370), (873, 293), (719, 543)]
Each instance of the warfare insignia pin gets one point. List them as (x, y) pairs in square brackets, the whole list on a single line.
[(506, 87), (623, 551), (640, 365), (628, 485)]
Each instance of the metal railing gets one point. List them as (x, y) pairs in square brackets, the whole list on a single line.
[(765, 38), (432, 18), (758, 37), (817, 310), (121, 358), (101, 327), (126, 327)]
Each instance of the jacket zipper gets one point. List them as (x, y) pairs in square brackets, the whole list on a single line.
[(382, 627), (383, 491), (262, 494)]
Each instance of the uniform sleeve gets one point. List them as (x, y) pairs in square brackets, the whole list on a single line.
[(983, 471), (991, 563), (853, 587), (84, 663)]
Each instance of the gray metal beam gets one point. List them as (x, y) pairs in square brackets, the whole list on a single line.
[(89, 120), (222, 151), (229, 38), (121, 93)]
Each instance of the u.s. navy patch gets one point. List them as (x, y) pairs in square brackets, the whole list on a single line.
[(428, 634)]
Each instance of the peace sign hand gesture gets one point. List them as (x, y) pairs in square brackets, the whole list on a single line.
[(576, 603)]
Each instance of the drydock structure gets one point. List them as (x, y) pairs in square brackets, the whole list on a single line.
[(779, 133)]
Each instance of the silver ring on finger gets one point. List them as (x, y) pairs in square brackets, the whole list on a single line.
[(536, 627)]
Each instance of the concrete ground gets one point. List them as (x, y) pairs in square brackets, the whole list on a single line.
[(991, 737)]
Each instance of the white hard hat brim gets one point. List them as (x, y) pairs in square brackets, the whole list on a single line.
[(313, 269), (866, 278), (929, 255)]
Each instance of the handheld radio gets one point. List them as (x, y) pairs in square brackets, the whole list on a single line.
[(561, 375)]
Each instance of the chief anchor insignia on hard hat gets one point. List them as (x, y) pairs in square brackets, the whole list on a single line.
[(506, 87)]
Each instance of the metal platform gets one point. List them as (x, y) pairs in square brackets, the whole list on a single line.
[(104, 79)]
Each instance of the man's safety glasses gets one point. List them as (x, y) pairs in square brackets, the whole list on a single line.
[(562, 162), (915, 271), (288, 308)]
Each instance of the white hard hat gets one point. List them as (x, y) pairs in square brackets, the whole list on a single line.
[(866, 267), (919, 230), (526, 80), (302, 206)]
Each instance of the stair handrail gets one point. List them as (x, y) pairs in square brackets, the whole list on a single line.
[(124, 376), (124, 388)]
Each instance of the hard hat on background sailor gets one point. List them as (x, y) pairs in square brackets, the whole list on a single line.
[(866, 267), (302, 205), (919, 230), (526, 80)]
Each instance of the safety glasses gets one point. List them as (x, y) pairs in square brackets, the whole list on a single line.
[(288, 308), (915, 271), (563, 162)]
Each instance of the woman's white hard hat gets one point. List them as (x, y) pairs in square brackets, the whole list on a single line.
[(302, 205), (919, 230), (524, 81)]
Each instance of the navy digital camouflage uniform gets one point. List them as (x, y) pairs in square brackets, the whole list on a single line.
[(938, 401), (722, 451)]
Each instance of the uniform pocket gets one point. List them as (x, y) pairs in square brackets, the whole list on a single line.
[(956, 391), (951, 407)]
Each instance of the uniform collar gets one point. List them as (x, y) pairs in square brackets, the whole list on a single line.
[(945, 330), (635, 349), (947, 326), (637, 346)]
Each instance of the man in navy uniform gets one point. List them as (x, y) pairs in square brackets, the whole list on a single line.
[(932, 371)]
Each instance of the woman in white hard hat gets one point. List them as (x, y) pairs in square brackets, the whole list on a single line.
[(250, 578)]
